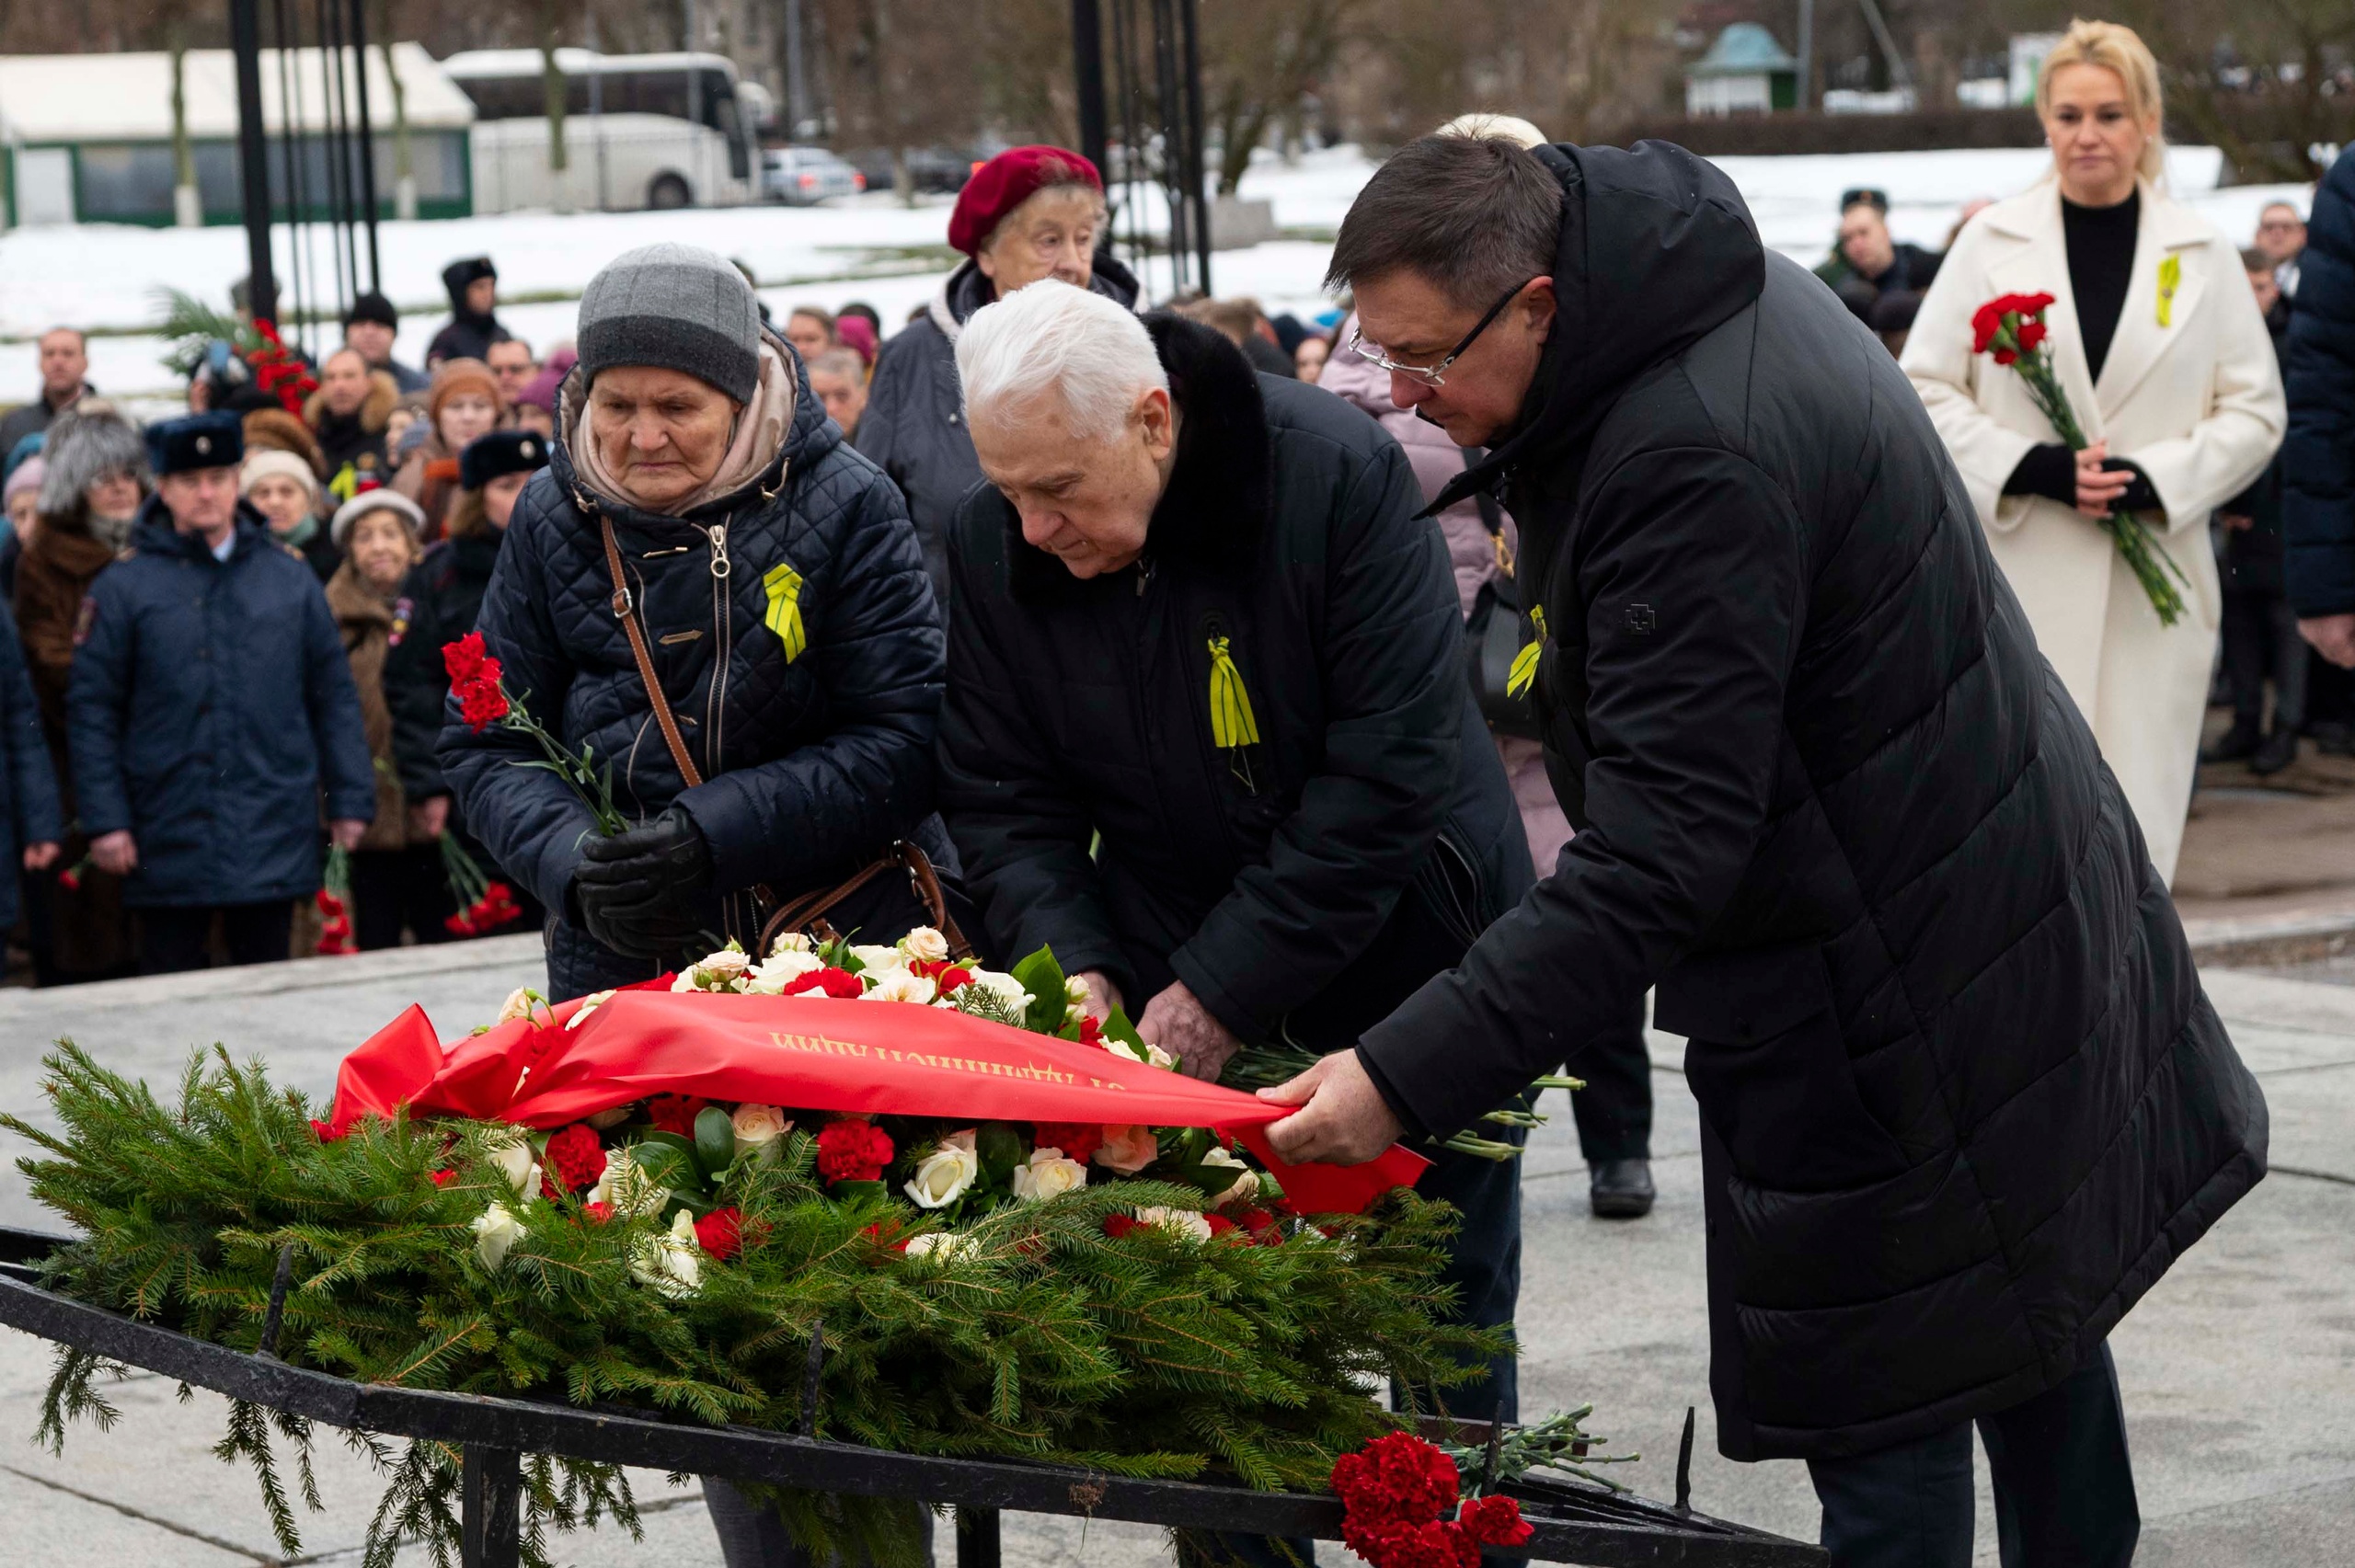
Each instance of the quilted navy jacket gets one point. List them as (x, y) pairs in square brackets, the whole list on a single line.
[(211, 704), (2318, 457), (814, 759)]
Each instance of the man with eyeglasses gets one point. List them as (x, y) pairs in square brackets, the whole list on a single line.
[(2282, 238), (1962, 1100)]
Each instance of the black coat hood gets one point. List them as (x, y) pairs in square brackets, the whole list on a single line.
[(1657, 250)]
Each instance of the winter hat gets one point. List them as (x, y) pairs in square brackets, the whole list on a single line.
[(858, 336), (540, 391), (677, 306), (371, 306), (196, 440), (265, 462), (348, 515), (454, 376), (1007, 181), (501, 451), (26, 447), (27, 476), (86, 443)]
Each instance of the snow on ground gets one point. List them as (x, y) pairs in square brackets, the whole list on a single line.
[(873, 249)]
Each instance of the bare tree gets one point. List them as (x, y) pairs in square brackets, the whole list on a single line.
[(2277, 101)]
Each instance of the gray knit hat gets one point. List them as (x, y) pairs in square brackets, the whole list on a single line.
[(85, 444), (679, 306)]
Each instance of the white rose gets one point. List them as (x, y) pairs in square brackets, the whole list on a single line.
[(925, 945), (1144, 1053), (1246, 1185), (992, 994), (600, 1120), (518, 1004), (943, 1176), (786, 965), (496, 1232), (758, 1128), (1048, 1174), (589, 1004), (1128, 1150), (626, 1190), (720, 971), (516, 1162), (875, 959), (945, 1246), (671, 1263), (898, 984), (792, 941), (1183, 1221)]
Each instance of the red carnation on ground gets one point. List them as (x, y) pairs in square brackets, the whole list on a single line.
[(676, 1113), (833, 982), (853, 1149), (1078, 1140), (1397, 1479), (721, 1233), (574, 1158), (1494, 1521)]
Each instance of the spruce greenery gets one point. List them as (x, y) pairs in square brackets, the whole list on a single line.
[(1147, 1356)]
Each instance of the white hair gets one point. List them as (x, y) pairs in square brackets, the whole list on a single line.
[(1478, 127), (1052, 337)]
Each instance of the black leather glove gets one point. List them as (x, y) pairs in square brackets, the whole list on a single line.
[(641, 892)]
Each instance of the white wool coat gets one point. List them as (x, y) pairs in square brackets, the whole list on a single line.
[(2195, 403)]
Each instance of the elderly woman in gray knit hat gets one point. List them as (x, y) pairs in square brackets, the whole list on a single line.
[(728, 605)]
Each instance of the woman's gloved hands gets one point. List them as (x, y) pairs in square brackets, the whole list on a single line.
[(641, 892)]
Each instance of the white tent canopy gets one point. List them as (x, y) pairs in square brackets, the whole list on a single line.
[(128, 97)]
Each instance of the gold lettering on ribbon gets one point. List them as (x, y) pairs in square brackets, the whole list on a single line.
[(1031, 1071)]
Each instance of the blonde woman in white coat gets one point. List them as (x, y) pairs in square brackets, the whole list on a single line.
[(2159, 344)]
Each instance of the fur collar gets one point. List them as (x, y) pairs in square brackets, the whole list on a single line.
[(375, 413), (1215, 513)]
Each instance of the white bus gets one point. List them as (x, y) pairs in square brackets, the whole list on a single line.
[(640, 130)]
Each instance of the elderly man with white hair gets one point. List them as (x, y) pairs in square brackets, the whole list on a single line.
[(1201, 626)]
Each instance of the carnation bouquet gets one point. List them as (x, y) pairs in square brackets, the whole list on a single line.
[(479, 684), (2010, 329), (999, 1228)]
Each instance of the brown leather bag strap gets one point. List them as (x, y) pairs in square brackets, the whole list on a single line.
[(626, 613), (810, 911)]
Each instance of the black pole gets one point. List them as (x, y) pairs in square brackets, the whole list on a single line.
[(1087, 68), (329, 22), (1173, 141), (367, 139), (1189, 18), (253, 158)]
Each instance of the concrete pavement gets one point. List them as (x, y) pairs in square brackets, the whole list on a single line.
[(2238, 1371)]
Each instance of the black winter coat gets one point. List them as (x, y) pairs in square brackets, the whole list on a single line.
[(1963, 1100), (2317, 458), (439, 603), (914, 424), (815, 761), (1302, 886), (209, 707), (30, 814)]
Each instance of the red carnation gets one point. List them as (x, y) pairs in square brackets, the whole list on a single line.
[(1220, 1224), (574, 1158), (721, 1233), (1119, 1224), (1078, 1140), (1261, 1226), (833, 982), (464, 658), (1091, 1030), (481, 703), (600, 1212), (2030, 334), (444, 1178), (1398, 1478), (676, 1113), (1494, 1521), (853, 1149), (328, 1132)]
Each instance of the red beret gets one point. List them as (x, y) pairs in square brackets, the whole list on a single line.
[(1007, 181)]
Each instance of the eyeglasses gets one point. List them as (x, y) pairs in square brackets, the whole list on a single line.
[(1432, 375)]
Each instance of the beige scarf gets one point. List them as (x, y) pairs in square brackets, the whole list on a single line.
[(760, 436)]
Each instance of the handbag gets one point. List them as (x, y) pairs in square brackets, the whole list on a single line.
[(807, 912), (1495, 632)]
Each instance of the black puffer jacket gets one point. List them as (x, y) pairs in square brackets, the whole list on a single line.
[(1302, 886), (439, 602), (1963, 1099), (914, 424), (813, 762)]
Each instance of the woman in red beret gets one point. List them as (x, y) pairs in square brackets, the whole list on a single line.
[(1028, 214)]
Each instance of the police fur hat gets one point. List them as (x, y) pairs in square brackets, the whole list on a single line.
[(196, 440), (501, 451), (86, 443)]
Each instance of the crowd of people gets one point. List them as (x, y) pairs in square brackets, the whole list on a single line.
[(1592, 603)]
